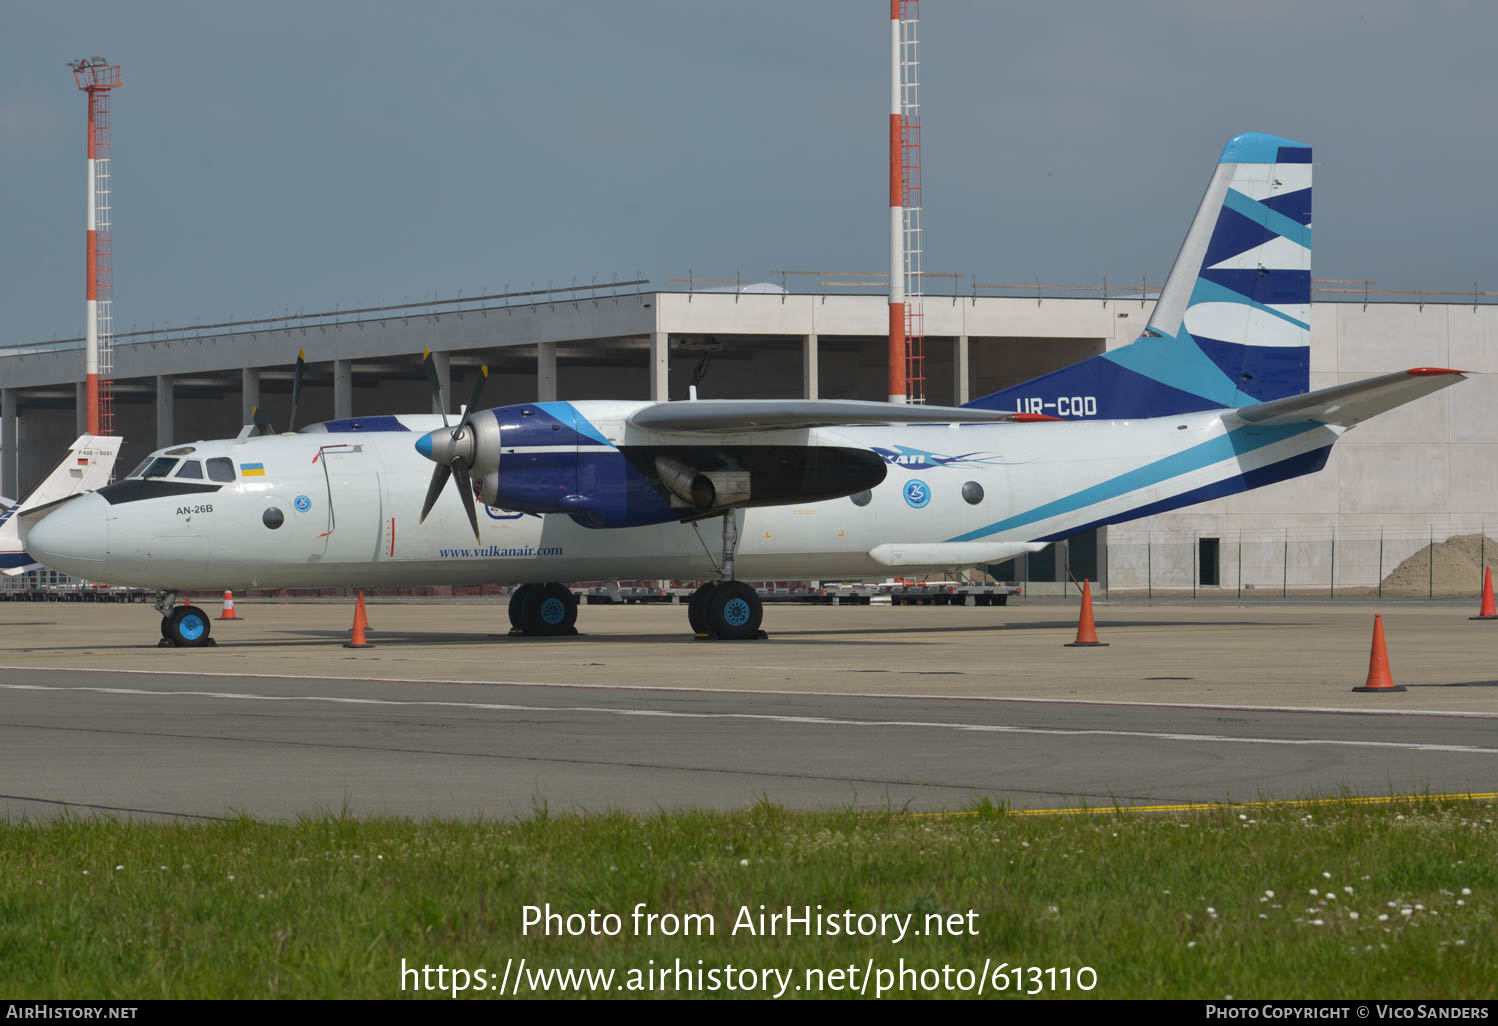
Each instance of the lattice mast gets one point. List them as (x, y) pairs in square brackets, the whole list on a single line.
[(96, 77), (897, 384), (910, 168)]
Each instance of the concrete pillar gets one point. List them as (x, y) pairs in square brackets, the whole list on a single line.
[(961, 367), (10, 445), (809, 372), (165, 429), (546, 372), (1103, 570), (444, 364), (249, 394), (343, 389), (80, 408), (660, 364)]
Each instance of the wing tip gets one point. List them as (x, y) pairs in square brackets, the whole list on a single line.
[(1430, 372)]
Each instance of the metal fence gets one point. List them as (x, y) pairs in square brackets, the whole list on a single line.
[(1366, 562)]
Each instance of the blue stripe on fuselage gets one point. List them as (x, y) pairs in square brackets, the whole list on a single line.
[(1234, 443), (1295, 466)]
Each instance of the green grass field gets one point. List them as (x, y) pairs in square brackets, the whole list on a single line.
[(1330, 900)]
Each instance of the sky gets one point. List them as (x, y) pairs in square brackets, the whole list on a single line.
[(276, 156)]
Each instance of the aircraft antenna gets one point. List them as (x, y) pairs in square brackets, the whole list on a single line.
[(96, 76)]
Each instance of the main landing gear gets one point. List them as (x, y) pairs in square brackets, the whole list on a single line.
[(182, 626), (726, 610), (543, 610)]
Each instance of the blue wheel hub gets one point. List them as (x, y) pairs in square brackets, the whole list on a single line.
[(553, 611), (736, 612), (192, 627)]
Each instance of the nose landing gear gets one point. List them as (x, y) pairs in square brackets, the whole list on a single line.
[(182, 626), (543, 611)]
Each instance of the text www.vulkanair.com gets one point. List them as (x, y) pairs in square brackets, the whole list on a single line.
[(497, 552), (519, 977)]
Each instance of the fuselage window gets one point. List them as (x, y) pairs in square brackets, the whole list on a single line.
[(862, 498), (273, 518), (190, 469), (220, 468), (161, 466), (972, 492)]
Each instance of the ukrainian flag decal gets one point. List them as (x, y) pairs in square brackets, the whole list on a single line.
[(252, 469)]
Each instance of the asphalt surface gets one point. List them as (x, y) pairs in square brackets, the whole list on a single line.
[(189, 745)]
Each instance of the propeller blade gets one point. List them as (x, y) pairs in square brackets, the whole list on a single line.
[(465, 486), (296, 387), (262, 422), (439, 481), (430, 364), (475, 392)]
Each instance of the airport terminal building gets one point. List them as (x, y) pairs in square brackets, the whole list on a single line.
[(1412, 478)]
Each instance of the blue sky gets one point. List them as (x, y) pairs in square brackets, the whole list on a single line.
[(298, 155)]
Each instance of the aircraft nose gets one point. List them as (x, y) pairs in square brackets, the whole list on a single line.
[(73, 538)]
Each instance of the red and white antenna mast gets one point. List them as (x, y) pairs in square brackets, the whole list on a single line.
[(910, 168), (97, 77), (907, 373)]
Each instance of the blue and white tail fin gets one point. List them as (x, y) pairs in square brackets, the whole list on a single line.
[(1232, 325)]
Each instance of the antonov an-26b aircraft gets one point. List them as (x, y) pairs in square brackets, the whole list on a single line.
[(1210, 400)]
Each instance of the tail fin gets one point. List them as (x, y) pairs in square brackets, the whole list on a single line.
[(1232, 325), (86, 467)]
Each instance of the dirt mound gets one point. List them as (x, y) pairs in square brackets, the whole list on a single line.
[(1457, 570)]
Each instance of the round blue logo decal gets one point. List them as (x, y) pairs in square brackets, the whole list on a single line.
[(303, 504), (917, 493)]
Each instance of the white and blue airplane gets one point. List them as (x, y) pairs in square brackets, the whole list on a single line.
[(86, 467), (1210, 400)]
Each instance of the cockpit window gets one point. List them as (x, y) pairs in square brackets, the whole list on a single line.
[(220, 468), (161, 466), (143, 465), (190, 469)]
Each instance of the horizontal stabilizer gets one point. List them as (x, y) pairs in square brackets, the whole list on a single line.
[(1346, 405), (734, 415)]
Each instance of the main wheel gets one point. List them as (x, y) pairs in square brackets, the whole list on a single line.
[(517, 606), (734, 612), (697, 608), (187, 627), (549, 610)]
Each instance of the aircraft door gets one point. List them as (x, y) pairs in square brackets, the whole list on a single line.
[(355, 506)]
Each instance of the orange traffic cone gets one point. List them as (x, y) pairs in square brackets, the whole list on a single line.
[(361, 624), (1488, 612), (1086, 629), (229, 613), (1379, 678)]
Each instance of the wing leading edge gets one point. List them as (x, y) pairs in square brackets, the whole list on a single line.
[(735, 415)]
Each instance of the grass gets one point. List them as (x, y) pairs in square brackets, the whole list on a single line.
[(1390, 901)]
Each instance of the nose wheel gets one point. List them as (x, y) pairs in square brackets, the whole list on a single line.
[(186, 627), (543, 611)]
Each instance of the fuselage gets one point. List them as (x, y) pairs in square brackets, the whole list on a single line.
[(341, 508)]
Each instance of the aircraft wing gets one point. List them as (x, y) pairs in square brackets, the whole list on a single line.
[(1346, 405), (730, 416)]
